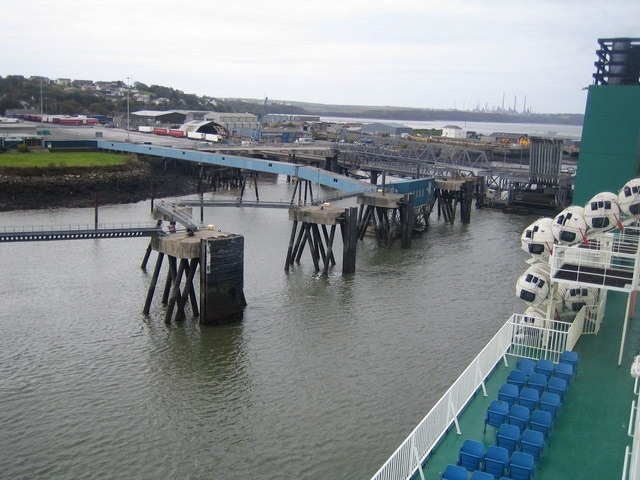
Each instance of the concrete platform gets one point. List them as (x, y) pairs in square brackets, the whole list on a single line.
[(323, 214), (380, 199), (181, 245)]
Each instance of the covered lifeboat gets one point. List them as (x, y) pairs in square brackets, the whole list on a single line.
[(533, 285), (576, 296), (629, 197), (569, 226), (602, 211), (537, 239)]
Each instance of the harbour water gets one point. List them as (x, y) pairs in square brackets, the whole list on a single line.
[(572, 132), (322, 379)]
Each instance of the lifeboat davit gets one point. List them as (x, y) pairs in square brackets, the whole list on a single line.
[(577, 296), (569, 226), (602, 211), (533, 285), (537, 239), (629, 197)]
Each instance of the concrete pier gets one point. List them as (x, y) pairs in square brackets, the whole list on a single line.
[(390, 214), (220, 256), (318, 226), (450, 193)]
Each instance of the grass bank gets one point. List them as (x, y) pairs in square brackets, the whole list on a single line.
[(51, 163)]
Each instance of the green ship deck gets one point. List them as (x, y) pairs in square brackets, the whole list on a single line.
[(589, 436)]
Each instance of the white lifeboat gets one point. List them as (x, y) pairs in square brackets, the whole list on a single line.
[(629, 197), (533, 285), (569, 226), (602, 211), (537, 239), (577, 296), (529, 324)]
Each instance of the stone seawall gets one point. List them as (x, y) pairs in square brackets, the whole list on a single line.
[(80, 189)]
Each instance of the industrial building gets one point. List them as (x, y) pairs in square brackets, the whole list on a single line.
[(392, 129)]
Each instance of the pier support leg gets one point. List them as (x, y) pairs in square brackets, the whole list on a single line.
[(175, 293), (152, 285), (289, 260)]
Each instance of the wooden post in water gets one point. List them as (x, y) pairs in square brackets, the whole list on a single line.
[(95, 203), (406, 221), (349, 240)]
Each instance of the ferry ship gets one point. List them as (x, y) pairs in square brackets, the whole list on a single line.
[(574, 354)]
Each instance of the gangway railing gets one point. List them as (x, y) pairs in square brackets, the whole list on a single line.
[(39, 233), (412, 453)]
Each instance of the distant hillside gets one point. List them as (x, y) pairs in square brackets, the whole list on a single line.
[(425, 114), (72, 97)]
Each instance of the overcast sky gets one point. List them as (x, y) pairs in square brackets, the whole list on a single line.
[(409, 53)]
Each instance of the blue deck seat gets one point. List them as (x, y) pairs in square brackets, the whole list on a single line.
[(564, 371), (508, 436), (545, 366), (526, 365), (508, 393), (517, 378), (532, 441), (480, 475), (557, 385), (471, 454), (570, 357), (542, 421), (551, 403), (496, 460), (497, 413), (538, 381), (521, 466), (519, 416), (454, 472), (529, 397)]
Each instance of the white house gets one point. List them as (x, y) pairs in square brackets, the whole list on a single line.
[(452, 131)]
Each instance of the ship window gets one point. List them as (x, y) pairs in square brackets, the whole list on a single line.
[(541, 284), (535, 229), (527, 296), (634, 189), (594, 205), (584, 292), (627, 192), (567, 236), (576, 306), (536, 248), (600, 222), (607, 205), (528, 277), (560, 220), (528, 234)]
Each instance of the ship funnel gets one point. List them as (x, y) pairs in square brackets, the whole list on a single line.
[(618, 62)]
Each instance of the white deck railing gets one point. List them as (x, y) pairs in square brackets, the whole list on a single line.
[(516, 337), (614, 256)]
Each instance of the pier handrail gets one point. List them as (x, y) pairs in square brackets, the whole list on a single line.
[(415, 449), (77, 227)]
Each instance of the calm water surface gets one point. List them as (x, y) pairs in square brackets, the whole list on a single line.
[(323, 378)]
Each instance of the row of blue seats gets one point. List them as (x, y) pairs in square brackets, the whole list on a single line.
[(523, 416), (495, 463)]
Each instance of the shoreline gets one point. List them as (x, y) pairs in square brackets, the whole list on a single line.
[(18, 192)]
